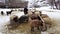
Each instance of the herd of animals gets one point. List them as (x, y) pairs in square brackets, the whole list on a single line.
[(35, 19), (8, 12)]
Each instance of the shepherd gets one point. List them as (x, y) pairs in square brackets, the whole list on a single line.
[(25, 10)]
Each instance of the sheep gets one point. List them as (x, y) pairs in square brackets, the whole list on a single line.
[(2, 12), (9, 12), (23, 18), (35, 21), (44, 16), (13, 22), (48, 22)]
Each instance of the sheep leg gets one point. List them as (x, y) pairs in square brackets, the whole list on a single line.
[(32, 29)]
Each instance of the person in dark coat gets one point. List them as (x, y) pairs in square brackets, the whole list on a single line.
[(25, 10)]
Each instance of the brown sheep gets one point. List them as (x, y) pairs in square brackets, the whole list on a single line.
[(36, 21)]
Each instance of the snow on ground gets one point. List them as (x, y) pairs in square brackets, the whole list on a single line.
[(55, 16), (19, 14), (3, 19)]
